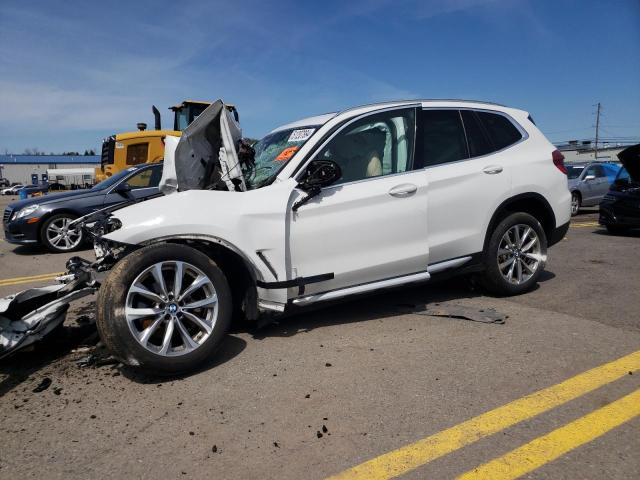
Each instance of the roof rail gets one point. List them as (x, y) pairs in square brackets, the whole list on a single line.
[(420, 100)]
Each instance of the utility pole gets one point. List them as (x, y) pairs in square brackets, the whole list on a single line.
[(597, 131)]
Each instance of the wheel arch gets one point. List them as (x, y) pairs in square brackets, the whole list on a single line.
[(532, 203), (240, 271)]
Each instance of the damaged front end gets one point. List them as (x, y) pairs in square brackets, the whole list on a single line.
[(210, 155), (28, 316)]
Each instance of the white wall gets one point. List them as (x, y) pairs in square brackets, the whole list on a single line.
[(19, 172)]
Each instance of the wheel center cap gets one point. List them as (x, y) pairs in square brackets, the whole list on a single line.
[(173, 308)]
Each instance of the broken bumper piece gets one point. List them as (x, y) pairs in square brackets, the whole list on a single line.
[(30, 315)]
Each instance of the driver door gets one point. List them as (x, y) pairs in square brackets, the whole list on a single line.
[(371, 225)]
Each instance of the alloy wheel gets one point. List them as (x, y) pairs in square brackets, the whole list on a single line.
[(575, 204), (519, 254), (171, 308), (61, 236)]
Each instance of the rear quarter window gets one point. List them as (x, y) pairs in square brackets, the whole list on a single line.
[(500, 129)]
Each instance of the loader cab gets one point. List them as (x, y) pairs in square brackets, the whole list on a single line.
[(125, 150), (187, 111)]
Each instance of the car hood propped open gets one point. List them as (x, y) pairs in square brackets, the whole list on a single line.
[(630, 159), (205, 156)]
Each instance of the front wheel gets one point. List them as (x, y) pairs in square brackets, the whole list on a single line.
[(516, 255), (164, 308)]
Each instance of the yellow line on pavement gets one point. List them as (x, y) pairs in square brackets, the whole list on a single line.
[(31, 279), (412, 456), (586, 224), (544, 449)]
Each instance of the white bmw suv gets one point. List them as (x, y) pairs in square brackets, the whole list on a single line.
[(323, 208)]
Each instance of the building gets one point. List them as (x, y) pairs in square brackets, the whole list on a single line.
[(583, 151), (32, 169)]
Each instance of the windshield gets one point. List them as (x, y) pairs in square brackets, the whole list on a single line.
[(112, 180), (574, 171), (273, 152)]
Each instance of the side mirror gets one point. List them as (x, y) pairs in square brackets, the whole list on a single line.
[(320, 173), (123, 189), (588, 178)]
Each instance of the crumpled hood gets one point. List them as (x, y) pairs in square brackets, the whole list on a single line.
[(205, 156), (181, 213), (630, 159)]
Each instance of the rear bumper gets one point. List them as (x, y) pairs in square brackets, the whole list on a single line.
[(615, 214), (558, 234)]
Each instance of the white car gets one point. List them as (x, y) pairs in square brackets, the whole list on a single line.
[(330, 206), (12, 190)]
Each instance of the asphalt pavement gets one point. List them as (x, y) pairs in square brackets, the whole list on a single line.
[(370, 388)]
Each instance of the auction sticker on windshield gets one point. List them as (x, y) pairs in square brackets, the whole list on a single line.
[(301, 135), (287, 153)]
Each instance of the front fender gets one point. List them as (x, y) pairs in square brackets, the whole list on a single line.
[(251, 223)]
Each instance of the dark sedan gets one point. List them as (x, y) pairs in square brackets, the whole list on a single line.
[(45, 220), (620, 208)]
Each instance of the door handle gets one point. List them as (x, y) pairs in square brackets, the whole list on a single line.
[(403, 190), (492, 169)]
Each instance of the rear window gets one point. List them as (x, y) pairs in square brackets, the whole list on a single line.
[(500, 129), (574, 171)]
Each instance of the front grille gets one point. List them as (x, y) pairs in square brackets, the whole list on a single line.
[(108, 148), (7, 215)]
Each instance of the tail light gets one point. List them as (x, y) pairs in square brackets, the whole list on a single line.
[(558, 161)]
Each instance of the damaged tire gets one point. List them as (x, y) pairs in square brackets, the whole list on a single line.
[(516, 255), (164, 308)]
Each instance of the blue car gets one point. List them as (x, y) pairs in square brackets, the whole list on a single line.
[(45, 220), (589, 183)]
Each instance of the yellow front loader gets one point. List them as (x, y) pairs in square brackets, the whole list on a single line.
[(124, 150)]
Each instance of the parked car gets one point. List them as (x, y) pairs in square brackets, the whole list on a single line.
[(589, 183), (328, 207), (13, 190), (620, 208), (45, 220), (4, 183), (34, 189)]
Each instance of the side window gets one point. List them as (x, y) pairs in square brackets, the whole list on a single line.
[(148, 178), (137, 153), (476, 138), (502, 132), (380, 144), (591, 171), (443, 137), (599, 171)]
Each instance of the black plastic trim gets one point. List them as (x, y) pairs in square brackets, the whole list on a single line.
[(558, 234), (299, 282)]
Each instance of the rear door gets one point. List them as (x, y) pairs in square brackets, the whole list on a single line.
[(468, 167)]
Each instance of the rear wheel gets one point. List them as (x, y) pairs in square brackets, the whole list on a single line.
[(575, 203), (58, 236), (516, 255), (164, 308)]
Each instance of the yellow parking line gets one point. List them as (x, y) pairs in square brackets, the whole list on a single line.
[(412, 456), (31, 279), (585, 224), (547, 448)]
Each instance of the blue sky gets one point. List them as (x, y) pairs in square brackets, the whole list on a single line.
[(73, 72)]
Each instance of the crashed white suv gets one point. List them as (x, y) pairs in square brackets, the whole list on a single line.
[(327, 207)]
